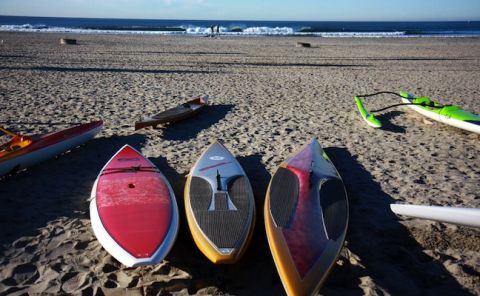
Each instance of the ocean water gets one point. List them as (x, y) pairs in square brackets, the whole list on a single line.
[(240, 28)]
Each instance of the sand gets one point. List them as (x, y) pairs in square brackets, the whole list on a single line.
[(269, 97)]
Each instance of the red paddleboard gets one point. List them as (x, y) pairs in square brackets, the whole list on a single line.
[(306, 217), (133, 209)]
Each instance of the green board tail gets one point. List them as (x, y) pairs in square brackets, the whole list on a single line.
[(369, 118)]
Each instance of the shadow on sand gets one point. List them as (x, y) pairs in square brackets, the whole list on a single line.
[(389, 254), (107, 70), (302, 65), (195, 53), (387, 125), (65, 184), (189, 129)]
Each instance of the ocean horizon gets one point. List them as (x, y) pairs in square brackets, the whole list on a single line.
[(241, 27)]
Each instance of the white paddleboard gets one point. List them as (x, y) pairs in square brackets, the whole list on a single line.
[(460, 216)]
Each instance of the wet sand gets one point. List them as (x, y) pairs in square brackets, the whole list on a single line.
[(268, 98)]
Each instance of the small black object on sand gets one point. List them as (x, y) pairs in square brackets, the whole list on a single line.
[(303, 44), (68, 41)]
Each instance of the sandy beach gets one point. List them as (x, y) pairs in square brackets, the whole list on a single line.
[(268, 98)]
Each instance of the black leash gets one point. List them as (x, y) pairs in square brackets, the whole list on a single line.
[(380, 93), (132, 169), (406, 104), (431, 104)]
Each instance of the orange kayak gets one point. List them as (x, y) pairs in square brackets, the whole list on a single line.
[(24, 151)]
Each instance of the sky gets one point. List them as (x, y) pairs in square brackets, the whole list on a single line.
[(301, 10)]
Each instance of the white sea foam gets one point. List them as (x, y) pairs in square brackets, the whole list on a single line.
[(203, 31), (268, 31)]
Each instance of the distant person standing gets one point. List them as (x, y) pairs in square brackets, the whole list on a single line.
[(218, 30), (212, 30)]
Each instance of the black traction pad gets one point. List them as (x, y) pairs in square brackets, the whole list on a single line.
[(283, 196), (333, 201), (221, 201), (225, 228), (200, 194)]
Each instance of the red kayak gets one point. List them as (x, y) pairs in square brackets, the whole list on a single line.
[(133, 209), (24, 151)]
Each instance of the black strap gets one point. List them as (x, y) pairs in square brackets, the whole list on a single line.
[(132, 169), (431, 105), (406, 104), (219, 181), (380, 93)]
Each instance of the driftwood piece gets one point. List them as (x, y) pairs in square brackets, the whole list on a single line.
[(68, 41), (303, 44)]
